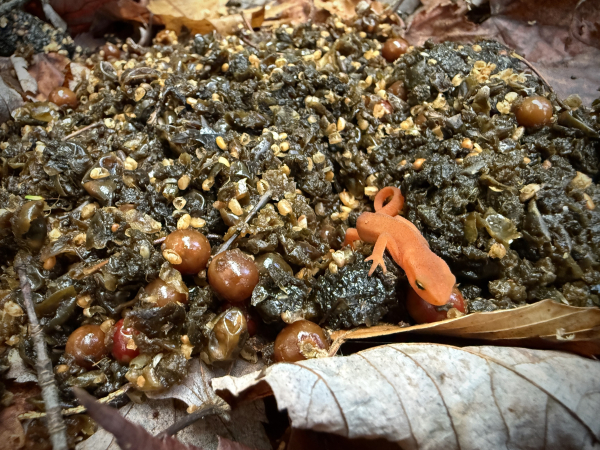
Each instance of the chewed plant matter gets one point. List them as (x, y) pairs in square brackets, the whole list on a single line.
[(134, 197)]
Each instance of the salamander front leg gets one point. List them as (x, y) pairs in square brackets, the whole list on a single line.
[(377, 255), (351, 236)]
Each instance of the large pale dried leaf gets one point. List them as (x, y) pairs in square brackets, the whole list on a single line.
[(345, 9), (160, 412), (195, 389), (157, 415), (545, 324), (9, 101), (431, 396)]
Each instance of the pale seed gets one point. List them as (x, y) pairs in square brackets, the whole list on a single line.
[(183, 182), (197, 222), (529, 191), (284, 207), (235, 207), (98, 173), (184, 222), (172, 256), (497, 251), (221, 143)]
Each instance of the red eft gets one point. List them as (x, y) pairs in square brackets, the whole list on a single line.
[(427, 273)]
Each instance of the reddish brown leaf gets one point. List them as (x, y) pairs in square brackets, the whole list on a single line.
[(49, 71), (560, 38), (12, 435)]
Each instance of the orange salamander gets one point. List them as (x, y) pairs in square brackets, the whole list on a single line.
[(427, 273)]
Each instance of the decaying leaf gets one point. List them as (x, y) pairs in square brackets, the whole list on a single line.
[(438, 396), (544, 324), (556, 36), (18, 371), (195, 389), (28, 83), (12, 435), (49, 71), (9, 101), (161, 411), (127, 434), (195, 15)]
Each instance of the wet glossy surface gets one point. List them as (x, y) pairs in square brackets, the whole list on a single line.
[(164, 293), (192, 246), (534, 111), (233, 275), (86, 345), (301, 332), (394, 48)]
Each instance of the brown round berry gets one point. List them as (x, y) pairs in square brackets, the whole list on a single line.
[(423, 312), (298, 337), (192, 246), (86, 345), (111, 51), (164, 293), (233, 275), (263, 262), (63, 96), (394, 48), (398, 90), (534, 111)]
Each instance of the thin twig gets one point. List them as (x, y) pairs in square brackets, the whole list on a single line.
[(159, 240), (81, 130), (397, 5), (78, 409), (248, 42), (54, 421), (262, 202), (248, 25), (9, 6), (532, 67), (189, 420)]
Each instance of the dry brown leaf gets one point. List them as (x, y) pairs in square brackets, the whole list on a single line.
[(160, 412), (157, 415), (12, 435), (28, 83), (439, 396), (195, 389), (9, 101), (194, 15), (49, 71), (345, 9), (559, 37), (545, 324)]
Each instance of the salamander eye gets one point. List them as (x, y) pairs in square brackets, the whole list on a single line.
[(419, 285)]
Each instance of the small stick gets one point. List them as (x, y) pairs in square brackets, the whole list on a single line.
[(95, 267), (531, 66), (78, 409), (189, 420), (81, 130), (159, 240), (248, 42), (262, 202), (54, 420), (248, 25), (146, 35)]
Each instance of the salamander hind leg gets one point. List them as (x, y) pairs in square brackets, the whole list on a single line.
[(377, 255), (351, 236)]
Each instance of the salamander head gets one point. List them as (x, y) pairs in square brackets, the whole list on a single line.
[(430, 277)]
